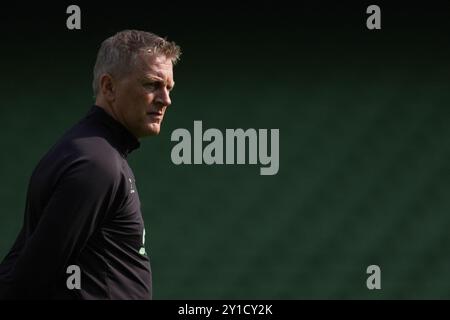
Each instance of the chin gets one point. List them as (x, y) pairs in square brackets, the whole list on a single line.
[(153, 129)]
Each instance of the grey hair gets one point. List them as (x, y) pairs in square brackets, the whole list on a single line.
[(117, 54)]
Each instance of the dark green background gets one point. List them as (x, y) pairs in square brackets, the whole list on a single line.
[(364, 143)]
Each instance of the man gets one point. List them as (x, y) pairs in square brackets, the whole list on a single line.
[(83, 209)]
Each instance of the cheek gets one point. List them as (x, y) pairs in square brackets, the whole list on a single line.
[(149, 97), (141, 99), (137, 101)]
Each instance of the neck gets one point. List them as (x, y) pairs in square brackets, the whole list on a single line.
[(105, 105)]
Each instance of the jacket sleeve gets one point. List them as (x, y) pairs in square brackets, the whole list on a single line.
[(81, 198)]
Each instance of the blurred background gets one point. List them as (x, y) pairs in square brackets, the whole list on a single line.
[(363, 116)]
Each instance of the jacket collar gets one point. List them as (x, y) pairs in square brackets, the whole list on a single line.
[(121, 137)]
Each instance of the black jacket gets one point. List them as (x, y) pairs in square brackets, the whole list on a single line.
[(82, 209)]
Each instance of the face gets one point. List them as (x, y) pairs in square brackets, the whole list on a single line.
[(142, 97)]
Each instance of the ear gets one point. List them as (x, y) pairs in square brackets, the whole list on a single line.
[(107, 87)]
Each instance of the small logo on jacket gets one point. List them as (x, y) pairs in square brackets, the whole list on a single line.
[(142, 250), (132, 187)]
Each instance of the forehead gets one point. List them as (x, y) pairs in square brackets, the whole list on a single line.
[(155, 66)]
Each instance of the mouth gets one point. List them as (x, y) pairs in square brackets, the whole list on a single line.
[(155, 115)]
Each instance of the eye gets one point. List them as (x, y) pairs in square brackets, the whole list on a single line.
[(151, 85)]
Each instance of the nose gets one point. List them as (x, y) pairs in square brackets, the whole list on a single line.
[(163, 98)]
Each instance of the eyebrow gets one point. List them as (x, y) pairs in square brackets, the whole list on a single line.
[(159, 79)]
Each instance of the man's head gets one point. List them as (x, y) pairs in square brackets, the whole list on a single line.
[(133, 78)]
